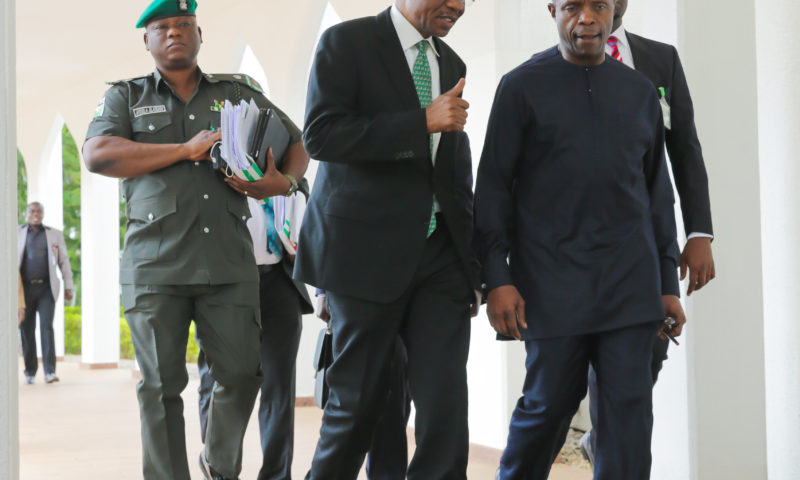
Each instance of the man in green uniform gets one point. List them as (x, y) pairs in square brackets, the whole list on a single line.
[(188, 254)]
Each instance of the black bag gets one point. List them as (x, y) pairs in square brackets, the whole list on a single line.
[(323, 357)]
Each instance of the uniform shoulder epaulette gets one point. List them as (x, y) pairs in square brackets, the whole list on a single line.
[(241, 78), (126, 80)]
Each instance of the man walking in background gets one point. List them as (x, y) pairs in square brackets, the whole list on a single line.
[(41, 251)]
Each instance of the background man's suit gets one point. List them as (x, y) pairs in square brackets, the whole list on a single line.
[(57, 254), (660, 63), (40, 296), (364, 242)]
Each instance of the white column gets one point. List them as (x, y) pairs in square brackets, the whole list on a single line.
[(50, 192), (9, 368), (100, 310), (779, 149), (725, 337)]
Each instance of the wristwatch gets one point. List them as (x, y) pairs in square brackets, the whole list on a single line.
[(293, 187)]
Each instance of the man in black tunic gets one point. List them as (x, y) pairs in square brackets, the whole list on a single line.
[(576, 233)]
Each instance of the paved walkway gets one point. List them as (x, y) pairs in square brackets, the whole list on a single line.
[(87, 427)]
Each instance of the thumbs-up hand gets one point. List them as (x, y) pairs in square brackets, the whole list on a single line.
[(448, 112)]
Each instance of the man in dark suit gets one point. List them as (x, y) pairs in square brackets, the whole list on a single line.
[(387, 231), (659, 62)]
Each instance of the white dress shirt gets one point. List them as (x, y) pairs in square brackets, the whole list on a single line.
[(409, 37), (257, 224), (627, 58)]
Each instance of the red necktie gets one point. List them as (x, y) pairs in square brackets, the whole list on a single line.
[(613, 42)]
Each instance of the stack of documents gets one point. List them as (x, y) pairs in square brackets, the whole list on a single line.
[(288, 218), (248, 132)]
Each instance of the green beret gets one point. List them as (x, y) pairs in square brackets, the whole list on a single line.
[(166, 8)]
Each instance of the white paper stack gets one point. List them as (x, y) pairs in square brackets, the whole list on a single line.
[(238, 124)]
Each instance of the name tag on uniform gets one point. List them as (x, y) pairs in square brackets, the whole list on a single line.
[(138, 112), (665, 108)]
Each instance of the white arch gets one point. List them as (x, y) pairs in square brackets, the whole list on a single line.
[(249, 65)]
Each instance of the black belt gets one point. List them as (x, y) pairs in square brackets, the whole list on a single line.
[(37, 281)]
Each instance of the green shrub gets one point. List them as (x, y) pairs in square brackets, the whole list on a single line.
[(72, 336), (72, 330), (191, 347), (125, 340)]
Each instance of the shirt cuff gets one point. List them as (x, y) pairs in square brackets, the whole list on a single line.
[(700, 235)]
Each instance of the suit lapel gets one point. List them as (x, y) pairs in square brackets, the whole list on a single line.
[(51, 237), (394, 60), (636, 49), (446, 71), (642, 60), (645, 63)]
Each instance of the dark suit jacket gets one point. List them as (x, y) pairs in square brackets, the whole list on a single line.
[(659, 62), (365, 226), (305, 301)]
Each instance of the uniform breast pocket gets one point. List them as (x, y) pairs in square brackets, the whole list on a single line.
[(152, 128), (146, 218)]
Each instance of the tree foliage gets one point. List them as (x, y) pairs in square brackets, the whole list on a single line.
[(71, 176), (22, 188)]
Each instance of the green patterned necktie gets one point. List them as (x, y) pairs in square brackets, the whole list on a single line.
[(422, 81)]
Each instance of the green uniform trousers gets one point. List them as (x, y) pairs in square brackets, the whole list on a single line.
[(228, 330)]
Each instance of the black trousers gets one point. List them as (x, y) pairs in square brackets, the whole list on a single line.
[(659, 355), (38, 299), (281, 326), (432, 318), (388, 453), (556, 382)]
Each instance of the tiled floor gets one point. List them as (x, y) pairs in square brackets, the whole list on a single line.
[(87, 427)]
